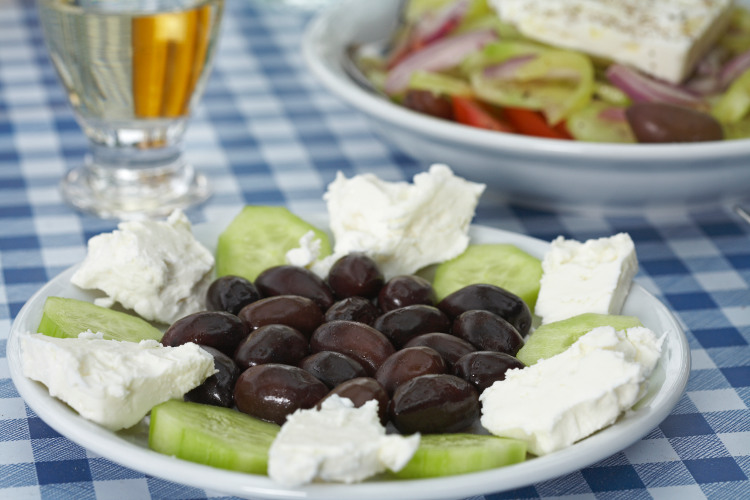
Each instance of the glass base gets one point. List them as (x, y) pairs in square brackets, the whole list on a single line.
[(129, 194)]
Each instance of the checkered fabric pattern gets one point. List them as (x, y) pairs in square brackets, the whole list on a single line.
[(267, 133)]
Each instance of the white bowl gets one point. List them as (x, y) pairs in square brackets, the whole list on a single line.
[(536, 172)]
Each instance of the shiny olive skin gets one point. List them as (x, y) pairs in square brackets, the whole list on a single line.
[(272, 391), (355, 274), (405, 290), (429, 103), (272, 344), (487, 332), (433, 404), (295, 280), (403, 324), (361, 342), (361, 390), (332, 368), (659, 122), (505, 304), (353, 309), (231, 294), (484, 368), (218, 329), (301, 313), (218, 389), (405, 364), (450, 347)]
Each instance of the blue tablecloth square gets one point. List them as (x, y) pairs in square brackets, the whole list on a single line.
[(63, 471), (164, 490), (519, 493), (7, 389), (662, 474), (690, 301), (659, 267), (689, 424), (26, 275), (105, 470), (18, 243), (40, 430), (715, 470), (613, 478), (719, 337), (722, 229), (738, 376)]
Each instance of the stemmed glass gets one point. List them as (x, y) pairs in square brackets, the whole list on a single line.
[(133, 70)]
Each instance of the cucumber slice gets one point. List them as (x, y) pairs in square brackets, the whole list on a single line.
[(211, 435), (259, 237), (451, 454), (63, 318), (553, 338), (501, 264)]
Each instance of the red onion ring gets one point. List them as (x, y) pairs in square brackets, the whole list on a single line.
[(642, 88), (442, 54)]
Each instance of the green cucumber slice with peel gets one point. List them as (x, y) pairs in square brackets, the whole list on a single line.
[(64, 317), (211, 435), (259, 237), (450, 454), (500, 264), (553, 338)]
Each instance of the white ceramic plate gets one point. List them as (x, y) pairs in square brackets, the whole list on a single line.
[(532, 171), (130, 448)]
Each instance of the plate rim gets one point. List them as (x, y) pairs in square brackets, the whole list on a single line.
[(631, 427)]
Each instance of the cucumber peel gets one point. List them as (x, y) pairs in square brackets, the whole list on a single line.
[(553, 338), (64, 318), (451, 454), (259, 237), (211, 435)]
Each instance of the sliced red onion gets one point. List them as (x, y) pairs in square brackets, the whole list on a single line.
[(642, 88), (442, 54), (733, 69), (429, 28), (439, 23), (508, 69)]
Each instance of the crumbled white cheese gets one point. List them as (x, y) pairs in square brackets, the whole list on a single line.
[(113, 383), (336, 443), (306, 253), (590, 277), (562, 399), (403, 227), (156, 268), (664, 38)]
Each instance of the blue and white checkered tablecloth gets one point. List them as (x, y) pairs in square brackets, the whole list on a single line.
[(267, 133)]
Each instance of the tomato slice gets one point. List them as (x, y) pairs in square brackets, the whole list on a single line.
[(529, 122), (470, 112)]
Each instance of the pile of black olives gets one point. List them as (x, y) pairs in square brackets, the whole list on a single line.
[(290, 339)]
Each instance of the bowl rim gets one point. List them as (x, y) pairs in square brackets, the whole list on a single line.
[(322, 54)]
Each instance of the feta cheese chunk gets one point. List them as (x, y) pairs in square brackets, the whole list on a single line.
[(590, 277), (306, 253), (664, 38), (110, 382), (336, 443), (403, 227), (562, 399), (155, 268)]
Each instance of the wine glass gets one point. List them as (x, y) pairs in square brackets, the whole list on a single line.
[(133, 70)]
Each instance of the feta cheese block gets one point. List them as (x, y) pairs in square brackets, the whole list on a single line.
[(664, 38), (155, 268), (110, 382), (562, 399), (590, 277), (336, 443), (307, 253), (403, 227)]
